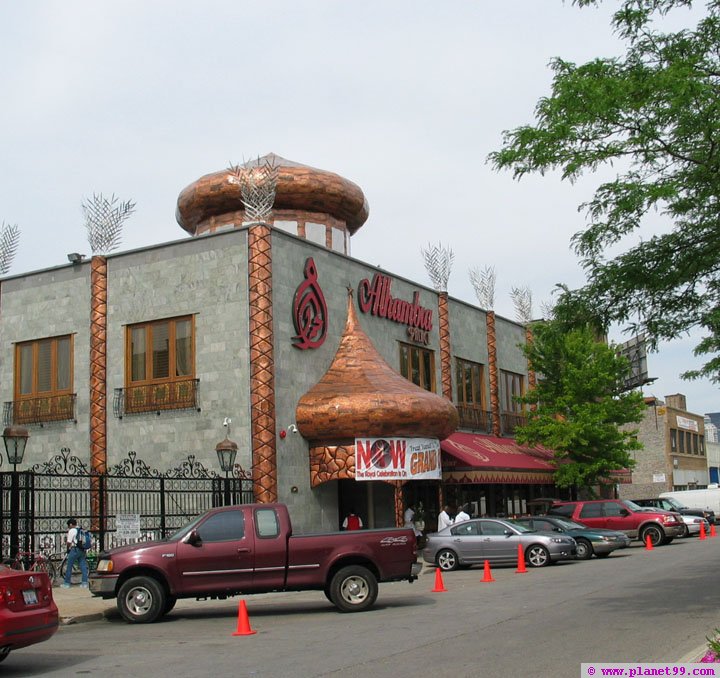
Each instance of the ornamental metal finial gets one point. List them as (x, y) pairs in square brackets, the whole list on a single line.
[(104, 219), (522, 298), (258, 183), (9, 238), (438, 264), (483, 282)]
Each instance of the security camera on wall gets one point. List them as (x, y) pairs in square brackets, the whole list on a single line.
[(226, 422)]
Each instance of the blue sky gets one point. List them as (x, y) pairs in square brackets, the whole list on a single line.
[(404, 98)]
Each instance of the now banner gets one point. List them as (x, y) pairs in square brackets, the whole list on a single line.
[(397, 459)]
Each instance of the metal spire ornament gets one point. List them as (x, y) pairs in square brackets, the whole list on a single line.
[(9, 239), (438, 264), (104, 219), (522, 298), (258, 183), (483, 282)]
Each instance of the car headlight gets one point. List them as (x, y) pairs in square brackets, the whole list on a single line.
[(560, 540), (105, 566)]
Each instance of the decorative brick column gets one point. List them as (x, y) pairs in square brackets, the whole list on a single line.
[(445, 361), (262, 363), (492, 366), (98, 364), (531, 373), (98, 380)]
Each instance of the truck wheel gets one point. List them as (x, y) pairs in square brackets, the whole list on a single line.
[(353, 589), (141, 600), (655, 533)]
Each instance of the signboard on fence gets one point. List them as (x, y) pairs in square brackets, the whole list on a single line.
[(127, 526)]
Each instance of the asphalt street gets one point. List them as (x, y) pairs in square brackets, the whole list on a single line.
[(636, 606)]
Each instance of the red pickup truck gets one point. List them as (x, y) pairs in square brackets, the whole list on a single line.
[(250, 549)]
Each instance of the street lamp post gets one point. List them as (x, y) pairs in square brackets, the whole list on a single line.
[(15, 439), (226, 452)]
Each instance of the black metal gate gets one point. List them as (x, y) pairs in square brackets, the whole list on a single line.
[(36, 504)]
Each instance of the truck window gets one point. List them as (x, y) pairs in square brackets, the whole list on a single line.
[(266, 523), (591, 511), (225, 526)]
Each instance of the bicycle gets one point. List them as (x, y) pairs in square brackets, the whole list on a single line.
[(39, 562)]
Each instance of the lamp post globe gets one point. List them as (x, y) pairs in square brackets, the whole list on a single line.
[(226, 452), (15, 439)]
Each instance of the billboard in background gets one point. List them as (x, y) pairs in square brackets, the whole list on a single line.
[(636, 352), (397, 459)]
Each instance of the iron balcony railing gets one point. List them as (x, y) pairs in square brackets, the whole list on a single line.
[(158, 397), (40, 410), (510, 421), (473, 418)]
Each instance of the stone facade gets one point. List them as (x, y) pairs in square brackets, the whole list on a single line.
[(660, 466)]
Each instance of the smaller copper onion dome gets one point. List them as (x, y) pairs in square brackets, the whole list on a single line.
[(362, 396), (299, 187)]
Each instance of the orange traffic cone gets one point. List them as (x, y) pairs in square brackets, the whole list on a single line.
[(487, 576), (243, 624), (712, 531), (439, 586), (648, 544), (521, 561), (702, 531)]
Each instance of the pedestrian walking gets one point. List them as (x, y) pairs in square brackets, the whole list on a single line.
[(76, 554)]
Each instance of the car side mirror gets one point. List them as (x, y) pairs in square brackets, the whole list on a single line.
[(508, 533), (624, 512), (193, 538)]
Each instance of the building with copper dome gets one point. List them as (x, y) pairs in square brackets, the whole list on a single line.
[(342, 385)]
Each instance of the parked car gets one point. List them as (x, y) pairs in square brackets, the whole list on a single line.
[(672, 504), (692, 525), (475, 541), (616, 514), (590, 540), (28, 613), (250, 548)]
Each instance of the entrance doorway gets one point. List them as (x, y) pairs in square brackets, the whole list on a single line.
[(373, 501)]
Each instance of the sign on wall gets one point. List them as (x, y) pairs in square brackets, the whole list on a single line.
[(376, 298), (397, 459), (309, 310), (127, 526), (688, 424)]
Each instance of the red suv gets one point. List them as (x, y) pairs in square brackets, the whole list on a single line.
[(623, 515)]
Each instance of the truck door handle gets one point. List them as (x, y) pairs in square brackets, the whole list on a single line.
[(243, 550)]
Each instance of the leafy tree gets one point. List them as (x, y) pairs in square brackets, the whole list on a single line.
[(579, 404), (655, 114)]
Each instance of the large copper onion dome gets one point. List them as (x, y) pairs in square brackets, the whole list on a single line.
[(299, 187), (362, 396)]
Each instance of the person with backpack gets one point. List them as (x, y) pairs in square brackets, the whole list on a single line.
[(76, 540)]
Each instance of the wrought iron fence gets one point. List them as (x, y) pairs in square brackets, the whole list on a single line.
[(36, 504), (40, 410), (170, 395)]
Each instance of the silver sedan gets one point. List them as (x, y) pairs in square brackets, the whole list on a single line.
[(475, 541)]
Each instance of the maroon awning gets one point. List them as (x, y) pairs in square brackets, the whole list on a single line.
[(473, 451)]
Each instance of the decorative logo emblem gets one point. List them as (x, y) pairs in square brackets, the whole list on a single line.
[(309, 310)]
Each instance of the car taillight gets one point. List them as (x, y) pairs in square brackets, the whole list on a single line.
[(8, 596)]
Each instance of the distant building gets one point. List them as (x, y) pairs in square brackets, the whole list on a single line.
[(711, 428), (674, 455)]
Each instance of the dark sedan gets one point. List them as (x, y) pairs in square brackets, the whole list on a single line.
[(475, 541), (590, 540)]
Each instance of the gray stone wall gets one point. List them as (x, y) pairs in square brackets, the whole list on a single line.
[(205, 277), (651, 462), (468, 340), (40, 305)]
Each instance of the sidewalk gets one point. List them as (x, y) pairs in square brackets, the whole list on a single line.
[(77, 604)]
